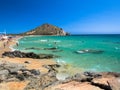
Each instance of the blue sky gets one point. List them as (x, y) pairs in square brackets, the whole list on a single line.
[(74, 16)]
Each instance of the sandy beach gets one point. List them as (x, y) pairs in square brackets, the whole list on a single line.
[(8, 44), (33, 64), (4, 49)]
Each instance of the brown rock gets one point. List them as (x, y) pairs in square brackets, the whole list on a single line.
[(46, 29), (114, 84), (73, 85)]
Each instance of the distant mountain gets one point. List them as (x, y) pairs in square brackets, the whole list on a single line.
[(46, 29)]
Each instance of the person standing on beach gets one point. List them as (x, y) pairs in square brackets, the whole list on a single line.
[(4, 44)]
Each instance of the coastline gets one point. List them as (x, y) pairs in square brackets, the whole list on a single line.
[(36, 64), (48, 74), (8, 45)]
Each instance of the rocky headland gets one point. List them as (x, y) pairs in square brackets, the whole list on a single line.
[(46, 29)]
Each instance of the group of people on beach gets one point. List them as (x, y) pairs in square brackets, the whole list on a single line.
[(6, 43), (5, 40)]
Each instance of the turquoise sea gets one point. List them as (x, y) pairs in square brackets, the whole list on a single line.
[(67, 46)]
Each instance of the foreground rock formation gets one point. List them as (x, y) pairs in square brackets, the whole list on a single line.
[(33, 79)]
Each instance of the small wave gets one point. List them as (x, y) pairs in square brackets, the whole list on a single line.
[(23, 42), (117, 48), (17, 42), (25, 51), (99, 68), (61, 62), (95, 68), (44, 40), (12, 49), (62, 76), (49, 44), (57, 41)]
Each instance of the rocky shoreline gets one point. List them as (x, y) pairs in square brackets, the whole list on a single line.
[(13, 72), (27, 55), (49, 81), (26, 73)]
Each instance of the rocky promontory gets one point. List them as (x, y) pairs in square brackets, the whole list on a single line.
[(46, 29)]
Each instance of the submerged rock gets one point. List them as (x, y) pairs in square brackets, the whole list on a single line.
[(90, 51), (53, 48), (33, 48), (57, 50)]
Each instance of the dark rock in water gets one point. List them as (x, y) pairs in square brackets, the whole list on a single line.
[(53, 48), (42, 56), (116, 42), (90, 51), (33, 48), (57, 51), (28, 55), (96, 51)]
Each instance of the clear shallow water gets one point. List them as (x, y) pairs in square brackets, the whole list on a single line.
[(109, 60)]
